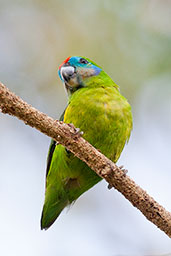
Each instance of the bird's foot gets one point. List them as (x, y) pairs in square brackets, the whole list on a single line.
[(109, 186), (77, 131), (124, 174), (125, 171)]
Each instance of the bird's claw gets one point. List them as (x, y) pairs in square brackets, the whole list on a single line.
[(125, 171), (109, 186), (71, 126), (77, 131)]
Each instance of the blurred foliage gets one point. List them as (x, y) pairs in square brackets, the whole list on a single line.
[(121, 36)]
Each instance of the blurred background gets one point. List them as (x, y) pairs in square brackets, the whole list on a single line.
[(131, 40)]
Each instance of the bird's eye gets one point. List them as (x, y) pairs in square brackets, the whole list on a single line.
[(83, 61)]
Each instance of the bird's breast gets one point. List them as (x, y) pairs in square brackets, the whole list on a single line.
[(104, 117)]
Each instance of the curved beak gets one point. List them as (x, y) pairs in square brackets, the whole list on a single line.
[(70, 76), (67, 72)]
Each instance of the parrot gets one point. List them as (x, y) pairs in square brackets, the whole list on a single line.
[(97, 108)]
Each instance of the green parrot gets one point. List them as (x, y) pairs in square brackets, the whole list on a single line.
[(95, 106)]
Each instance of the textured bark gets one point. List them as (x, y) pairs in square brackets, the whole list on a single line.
[(69, 136)]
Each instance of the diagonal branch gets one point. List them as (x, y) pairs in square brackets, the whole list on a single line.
[(68, 136)]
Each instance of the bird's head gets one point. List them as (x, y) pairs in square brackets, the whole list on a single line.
[(76, 71)]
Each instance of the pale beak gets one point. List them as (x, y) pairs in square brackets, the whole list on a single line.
[(67, 72)]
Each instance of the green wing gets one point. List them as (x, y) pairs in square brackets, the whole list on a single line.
[(54, 203), (52, 147), (67, 178), (50, 154)]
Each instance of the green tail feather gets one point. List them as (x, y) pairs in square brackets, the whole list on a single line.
[(51, 212)]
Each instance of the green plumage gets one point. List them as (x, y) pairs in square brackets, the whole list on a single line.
[(104, 115)]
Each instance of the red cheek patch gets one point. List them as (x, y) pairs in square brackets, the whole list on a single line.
[(65, 61)]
